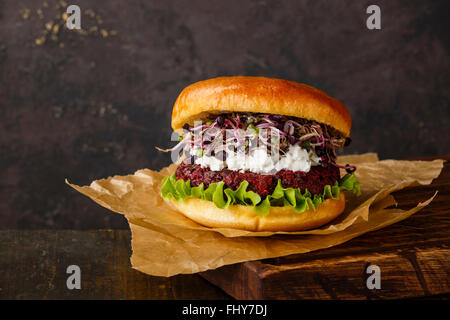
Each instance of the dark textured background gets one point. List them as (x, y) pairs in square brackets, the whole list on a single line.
[(86, 106)]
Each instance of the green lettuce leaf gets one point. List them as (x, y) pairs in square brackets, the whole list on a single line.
[(222, 198), (350, 183)]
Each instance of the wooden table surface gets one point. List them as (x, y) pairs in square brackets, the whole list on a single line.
[(33, 266), (34, 262)]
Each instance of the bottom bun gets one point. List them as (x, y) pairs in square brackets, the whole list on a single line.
[(243, 217)]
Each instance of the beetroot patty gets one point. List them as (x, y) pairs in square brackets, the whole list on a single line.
[(315, 180)]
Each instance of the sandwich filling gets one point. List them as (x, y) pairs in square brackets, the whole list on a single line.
[(263, 184), (261, 157)]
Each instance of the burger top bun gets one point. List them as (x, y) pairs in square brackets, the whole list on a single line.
[(243, 217), (262, 95)]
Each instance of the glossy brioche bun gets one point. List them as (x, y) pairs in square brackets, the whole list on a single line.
[(258, 94), (242, 217)]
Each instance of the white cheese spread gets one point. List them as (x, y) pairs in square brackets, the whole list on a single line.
[(259, 161)]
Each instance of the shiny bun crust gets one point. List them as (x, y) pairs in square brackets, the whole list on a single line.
[(258, 94), (244, 218)]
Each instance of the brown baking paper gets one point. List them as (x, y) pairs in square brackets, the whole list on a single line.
[(165, 242)]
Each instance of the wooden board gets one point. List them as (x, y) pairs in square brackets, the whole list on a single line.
[(413, 256)]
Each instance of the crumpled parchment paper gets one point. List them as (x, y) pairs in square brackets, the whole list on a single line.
[(166, 243)]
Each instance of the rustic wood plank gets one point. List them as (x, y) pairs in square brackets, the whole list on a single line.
[(33, 265), (414, 257)]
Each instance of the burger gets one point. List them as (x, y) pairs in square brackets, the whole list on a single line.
[(258, 154)]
